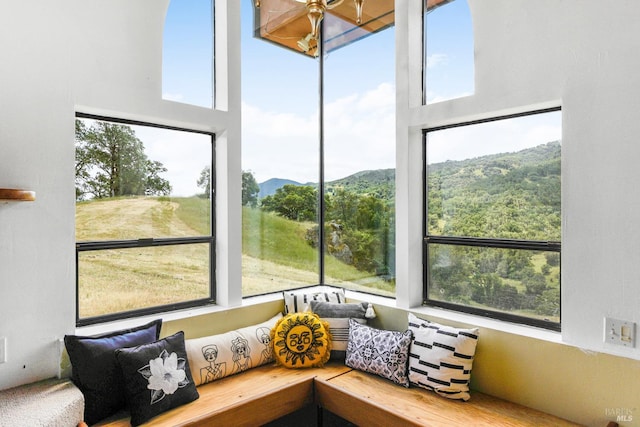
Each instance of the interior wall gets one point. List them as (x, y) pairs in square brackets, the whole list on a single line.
[(37, 298), (581, 386), (546, 53), (103, 56)]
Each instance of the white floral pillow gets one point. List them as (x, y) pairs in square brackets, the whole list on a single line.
[(441, 357), (156, 377), (218, 356)]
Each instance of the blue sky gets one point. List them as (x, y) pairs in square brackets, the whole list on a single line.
[(280, 94)]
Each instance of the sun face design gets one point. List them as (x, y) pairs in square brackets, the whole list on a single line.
[(300, 338)]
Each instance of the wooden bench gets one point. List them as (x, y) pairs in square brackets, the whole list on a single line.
[(265, 394), (366, 399), (252, 398)]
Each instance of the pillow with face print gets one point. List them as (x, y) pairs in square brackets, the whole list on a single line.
[(218, 356), (301, 340)]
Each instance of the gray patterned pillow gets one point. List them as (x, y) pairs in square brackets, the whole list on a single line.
[(338, 315), (379, 352), (441, 357)]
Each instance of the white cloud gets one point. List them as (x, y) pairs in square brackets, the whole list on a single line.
[(437, 59), (184, 154), (502, 136), (359, 135)]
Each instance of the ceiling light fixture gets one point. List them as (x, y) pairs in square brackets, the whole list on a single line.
[(358, 11), (317, 8), (304, 43)]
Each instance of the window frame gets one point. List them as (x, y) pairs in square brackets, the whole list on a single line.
[(153, 242), (483, 242)]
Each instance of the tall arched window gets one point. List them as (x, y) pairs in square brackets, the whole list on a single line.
[(448, 43), (187, 53)]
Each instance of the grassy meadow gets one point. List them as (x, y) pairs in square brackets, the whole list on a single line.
[(275, 255)]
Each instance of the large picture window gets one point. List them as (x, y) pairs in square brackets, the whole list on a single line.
[(144, 218), (318, 154), (493, 217)]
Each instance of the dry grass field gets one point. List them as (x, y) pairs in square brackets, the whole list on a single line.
[(126, 279)]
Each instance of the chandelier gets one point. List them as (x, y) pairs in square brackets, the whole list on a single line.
[(297, 24), (317, 8)]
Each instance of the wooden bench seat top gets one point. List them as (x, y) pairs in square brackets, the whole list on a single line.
[(269, 392), (366, 399), (254, 397)]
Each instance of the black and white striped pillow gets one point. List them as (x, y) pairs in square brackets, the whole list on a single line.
[(295, 302), (441, 357)]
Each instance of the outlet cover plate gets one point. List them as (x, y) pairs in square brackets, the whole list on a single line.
[(619, 332)]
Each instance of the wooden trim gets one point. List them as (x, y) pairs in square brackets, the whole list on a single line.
[(10, 194), (356, 409)]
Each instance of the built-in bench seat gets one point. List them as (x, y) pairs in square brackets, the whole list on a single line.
[(252, 398), (366, 399), (264, 394)]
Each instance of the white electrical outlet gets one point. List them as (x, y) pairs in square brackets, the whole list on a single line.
[(3, 349), (619, 332)]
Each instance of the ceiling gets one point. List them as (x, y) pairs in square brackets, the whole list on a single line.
[(285, 22)]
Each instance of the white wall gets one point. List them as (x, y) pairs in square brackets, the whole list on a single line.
[(103, 56), (37, 302), (581, 55)]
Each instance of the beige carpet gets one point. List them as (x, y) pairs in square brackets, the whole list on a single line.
[(48, 403)]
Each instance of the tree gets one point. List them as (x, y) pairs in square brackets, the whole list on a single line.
[(250, 189), (110, 161), (204, 182), (293, 202), (154, 184)]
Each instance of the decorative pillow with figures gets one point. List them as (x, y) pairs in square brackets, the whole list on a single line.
[(218, 356), (301, 340)]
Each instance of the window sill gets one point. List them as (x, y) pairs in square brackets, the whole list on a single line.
[(170, 316), (487, 323), (431, 313), (463, 319)]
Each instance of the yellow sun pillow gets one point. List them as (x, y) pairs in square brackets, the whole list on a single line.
[(301, 340)]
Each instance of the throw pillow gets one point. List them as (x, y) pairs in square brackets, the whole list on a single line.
[(95, 371), (379, 352), (218, 356), (337, 316), (299, 302), (301, 340), (156, 377), (441, 357)]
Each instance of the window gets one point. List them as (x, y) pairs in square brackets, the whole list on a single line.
[(293, 149), (449, 50), (279, 162), (493, 217), (359, 162), (188, 53), (144, 218)]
